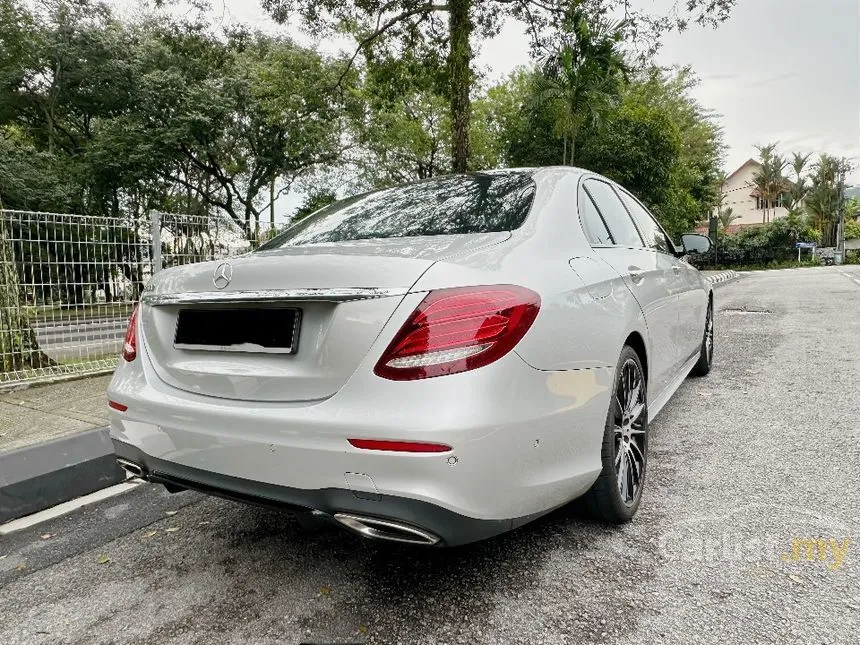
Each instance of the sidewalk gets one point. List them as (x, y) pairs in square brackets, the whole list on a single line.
[(54, 445), (45, 412)]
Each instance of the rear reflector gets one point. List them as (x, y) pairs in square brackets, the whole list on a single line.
[(117, 406), (399, 446), (455, 330)]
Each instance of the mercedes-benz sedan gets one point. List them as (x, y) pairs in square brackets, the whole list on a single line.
[(434, 363)]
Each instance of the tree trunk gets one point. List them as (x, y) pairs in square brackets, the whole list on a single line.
[(19, 348), (272, 206), (572, 148), (564, 151), (459, 57)]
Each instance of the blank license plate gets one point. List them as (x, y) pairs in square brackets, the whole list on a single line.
[(241, 329)]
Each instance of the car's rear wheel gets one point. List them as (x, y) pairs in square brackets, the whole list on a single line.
[(706, 357), (615, 496)]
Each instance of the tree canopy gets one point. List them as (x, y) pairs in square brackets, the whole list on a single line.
[(103, 116)]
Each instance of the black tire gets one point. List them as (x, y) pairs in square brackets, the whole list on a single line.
[(605, 501), (706, 355)]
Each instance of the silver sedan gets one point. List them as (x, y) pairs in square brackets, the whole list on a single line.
[(434, 363)]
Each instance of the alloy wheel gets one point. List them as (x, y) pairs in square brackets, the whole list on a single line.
[(630, 432), (709, 333)]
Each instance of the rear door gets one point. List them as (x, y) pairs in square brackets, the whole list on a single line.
[(684, 279), (648, 275)]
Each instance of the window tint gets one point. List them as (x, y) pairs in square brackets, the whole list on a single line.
[(654, 236), (614, 214), (592, 224), (478, 203)]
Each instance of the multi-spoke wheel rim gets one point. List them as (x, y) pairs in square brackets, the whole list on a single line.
[(709, 334), (630, 432)]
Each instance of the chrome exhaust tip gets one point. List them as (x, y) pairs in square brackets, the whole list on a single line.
[(389, 530), (131, 468)]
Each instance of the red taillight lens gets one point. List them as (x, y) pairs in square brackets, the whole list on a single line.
[(129, 346), (454, 330)]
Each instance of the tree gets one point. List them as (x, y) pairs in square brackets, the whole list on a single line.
[(404, 134), (451, 27), (661, 144), (726, 217), (852, 229), (227, 120), (769, 179), (852, 208), (313, 202), (797, 188), (822, 200), (582, 80), (19, 348)]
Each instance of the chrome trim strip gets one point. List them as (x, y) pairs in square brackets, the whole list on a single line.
[(269, 295)]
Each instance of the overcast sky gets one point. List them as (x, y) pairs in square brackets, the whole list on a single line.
[(778, 70)]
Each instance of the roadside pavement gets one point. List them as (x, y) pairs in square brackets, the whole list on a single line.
[(41, 413), (54, 445)]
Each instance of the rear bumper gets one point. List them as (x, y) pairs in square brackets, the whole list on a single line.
[(524, 441), (452, 528)]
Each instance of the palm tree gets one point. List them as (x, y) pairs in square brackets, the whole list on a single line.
[(761, 178), (583, 77), (726, 217), (797, 189), (769, 180), (822, 200)]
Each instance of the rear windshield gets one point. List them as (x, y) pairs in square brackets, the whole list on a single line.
[(477, 203)]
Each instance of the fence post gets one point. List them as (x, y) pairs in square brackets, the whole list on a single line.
[(155, 222)]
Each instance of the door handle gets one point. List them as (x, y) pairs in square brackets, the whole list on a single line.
[(636, 274)]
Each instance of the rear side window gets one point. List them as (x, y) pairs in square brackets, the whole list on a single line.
[(477, 203), (654, 236), (614, 214), (592, 223)]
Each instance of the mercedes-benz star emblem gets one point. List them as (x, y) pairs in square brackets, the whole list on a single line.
[(222, 276)]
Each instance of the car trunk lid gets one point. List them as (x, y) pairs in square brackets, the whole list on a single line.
[(218, 328)]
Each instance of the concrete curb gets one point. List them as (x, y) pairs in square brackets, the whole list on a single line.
[(719, 278), (41, 476)]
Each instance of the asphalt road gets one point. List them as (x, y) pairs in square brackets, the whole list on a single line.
[(759, 454), (66, 339)]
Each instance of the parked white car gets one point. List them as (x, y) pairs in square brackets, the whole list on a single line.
[(434, 363)]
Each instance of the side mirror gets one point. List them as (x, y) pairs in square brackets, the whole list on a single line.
[(694, 243)]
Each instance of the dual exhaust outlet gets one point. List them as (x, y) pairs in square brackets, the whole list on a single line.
[(373, 528)]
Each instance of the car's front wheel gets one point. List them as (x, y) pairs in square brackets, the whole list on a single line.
[(615, 495)]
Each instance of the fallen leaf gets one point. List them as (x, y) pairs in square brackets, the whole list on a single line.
[(172, 529), (46, 536), (103, 559), (3, 434), (203, 523), (3, 557), (21, 567), (325, 591), (149, 534), (362, 629), (171, 513), (795, 578)]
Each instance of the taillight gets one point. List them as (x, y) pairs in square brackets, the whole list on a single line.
[(129, 346), (455, 330)]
